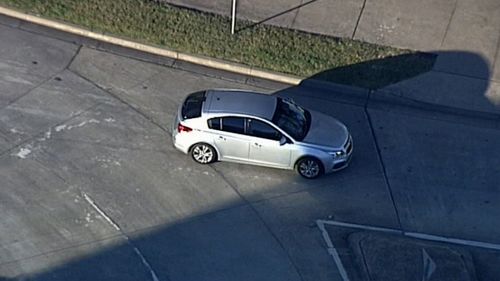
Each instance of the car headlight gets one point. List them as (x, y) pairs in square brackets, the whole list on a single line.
[(337, 154)]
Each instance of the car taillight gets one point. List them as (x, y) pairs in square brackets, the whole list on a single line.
[(181, 128)]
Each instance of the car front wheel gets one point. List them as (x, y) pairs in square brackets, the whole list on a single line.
[(203, 153), (309, 167)]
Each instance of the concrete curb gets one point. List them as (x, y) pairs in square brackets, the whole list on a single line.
[(204, 61), (344, 92)]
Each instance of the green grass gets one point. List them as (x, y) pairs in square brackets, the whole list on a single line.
[(272, 48)]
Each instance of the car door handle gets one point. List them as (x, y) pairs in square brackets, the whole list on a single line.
[(222, 138), (256, 144)]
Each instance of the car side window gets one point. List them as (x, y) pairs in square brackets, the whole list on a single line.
[(214, 123), (260, 129), (233, 125)]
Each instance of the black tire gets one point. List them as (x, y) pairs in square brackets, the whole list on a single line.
[(203, 153), (309, 167)]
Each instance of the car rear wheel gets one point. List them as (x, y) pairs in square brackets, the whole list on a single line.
[(203, 153), (309, 167)]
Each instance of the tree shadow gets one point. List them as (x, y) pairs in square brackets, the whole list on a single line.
[(379, 73), (410, 77)]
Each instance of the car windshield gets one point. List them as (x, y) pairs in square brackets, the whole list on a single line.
[(291, 118)]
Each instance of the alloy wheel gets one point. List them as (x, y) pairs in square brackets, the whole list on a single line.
[(309, 168), (203, 153)]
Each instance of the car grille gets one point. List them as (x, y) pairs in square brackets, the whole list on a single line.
[(348, 146)]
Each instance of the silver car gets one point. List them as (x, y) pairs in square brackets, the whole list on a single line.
[(259, 129)]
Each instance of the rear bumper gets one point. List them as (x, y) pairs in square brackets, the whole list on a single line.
[(176, 142), (180, 147)]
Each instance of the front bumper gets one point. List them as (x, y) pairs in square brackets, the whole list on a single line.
[(342, 163)]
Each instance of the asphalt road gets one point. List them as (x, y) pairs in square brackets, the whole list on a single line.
[(92, 189)]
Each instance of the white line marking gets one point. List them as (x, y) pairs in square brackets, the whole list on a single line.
[(136, 250), (15, 131), (471, 243), (60, 128), (422, 236), (332, 251), (360, 226), (429, 266), (23, 153), (340, 266), (325, 234), (101, 212), (146, 264)]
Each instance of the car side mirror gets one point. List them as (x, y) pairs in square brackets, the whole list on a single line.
[(283, 140)]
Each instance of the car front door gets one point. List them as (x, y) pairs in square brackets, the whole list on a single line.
[(265, 146), (230, 140)]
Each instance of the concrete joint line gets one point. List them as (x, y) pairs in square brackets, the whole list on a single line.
[(137, 110), (209, 62), (381, 159), (296, 14), (29, 91), (358, 20), (103, 214), (497, 55), (73, 57), (261, 219), (449, 23), (422, 236)]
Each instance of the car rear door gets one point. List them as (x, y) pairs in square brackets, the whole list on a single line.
[(230, 138)]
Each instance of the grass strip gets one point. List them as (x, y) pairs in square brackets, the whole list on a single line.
[(273, 48)]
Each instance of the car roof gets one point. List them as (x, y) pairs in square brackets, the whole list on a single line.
[(240, 102)]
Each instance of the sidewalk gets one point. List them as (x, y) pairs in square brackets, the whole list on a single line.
[(464, 33)]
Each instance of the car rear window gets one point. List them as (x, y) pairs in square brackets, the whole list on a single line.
[(233, 125), (214, 123), (192, 105)]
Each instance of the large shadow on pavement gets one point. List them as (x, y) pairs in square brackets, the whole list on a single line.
[(268, 233), (379, 73), (430, 80)]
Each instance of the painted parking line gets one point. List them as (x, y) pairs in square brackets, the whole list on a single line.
[(470, 243), (422, 236), (332, 251)]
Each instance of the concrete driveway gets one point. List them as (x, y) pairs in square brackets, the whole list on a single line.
[(92, 188)]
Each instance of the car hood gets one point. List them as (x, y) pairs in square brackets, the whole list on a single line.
[(326, 131)]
